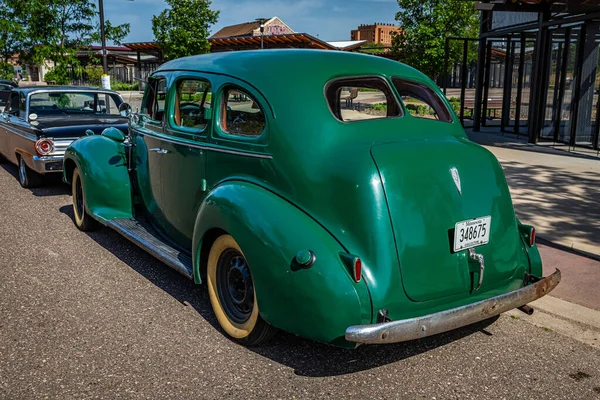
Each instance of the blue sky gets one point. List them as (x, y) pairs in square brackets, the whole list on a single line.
[(329, 19)]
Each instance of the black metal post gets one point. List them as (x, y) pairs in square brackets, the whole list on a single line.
[(486, 83), (463, 80), (559, 51), (563, 78), (507, 88), (446, 57), (484, 23), (577, 85), (539, 80), (521, 73), (596, 137), (102, 36)]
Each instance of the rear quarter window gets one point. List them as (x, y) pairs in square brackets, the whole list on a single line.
[(361, 98), (421, 101)]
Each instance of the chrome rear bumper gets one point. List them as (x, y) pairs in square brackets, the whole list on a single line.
[(432, 324), (45, 164)]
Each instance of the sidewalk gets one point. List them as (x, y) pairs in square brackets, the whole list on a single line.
[(556, 191)]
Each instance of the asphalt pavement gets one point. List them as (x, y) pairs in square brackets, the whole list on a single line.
[(92, 316)]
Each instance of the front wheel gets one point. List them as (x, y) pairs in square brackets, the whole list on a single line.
[(83, 221), (232, 294), (27, 177)]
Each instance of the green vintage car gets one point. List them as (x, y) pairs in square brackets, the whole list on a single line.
[(327, 194)]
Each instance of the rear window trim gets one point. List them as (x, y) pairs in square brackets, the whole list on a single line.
[(393, 92), (414, 82)]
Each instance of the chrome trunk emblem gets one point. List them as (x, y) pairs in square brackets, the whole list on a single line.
[(456, 178)]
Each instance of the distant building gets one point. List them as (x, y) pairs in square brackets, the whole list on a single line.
[(272, 26), (376, 33)]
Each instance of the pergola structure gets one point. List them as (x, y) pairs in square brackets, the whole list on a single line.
[(556, 98), (292, 40)]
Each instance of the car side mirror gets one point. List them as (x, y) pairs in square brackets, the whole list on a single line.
[(114, 134), (89, 132), (207, 113), (125, 109)]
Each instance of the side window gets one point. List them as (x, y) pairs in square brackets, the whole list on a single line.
[(108, 104), (13, 106), (241, 114), (356, 99), (421, 102), (22, 105), (154, 105), (192, 99)]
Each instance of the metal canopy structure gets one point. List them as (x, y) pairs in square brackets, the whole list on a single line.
[(557, 97), (296, 40)]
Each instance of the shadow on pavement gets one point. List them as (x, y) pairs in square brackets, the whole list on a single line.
[(52, 184), (305, 357), (561, 203)]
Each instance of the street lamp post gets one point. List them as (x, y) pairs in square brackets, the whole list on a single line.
[(262, 30), (103, 37)]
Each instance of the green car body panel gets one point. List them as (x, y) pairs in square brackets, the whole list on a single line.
[(380, 189)]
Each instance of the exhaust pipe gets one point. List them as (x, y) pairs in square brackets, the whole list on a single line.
[(526, 309)]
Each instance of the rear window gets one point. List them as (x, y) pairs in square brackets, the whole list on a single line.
[(356, 99), (421, 102)]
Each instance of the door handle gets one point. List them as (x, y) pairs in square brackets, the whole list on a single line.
[(159, 150)]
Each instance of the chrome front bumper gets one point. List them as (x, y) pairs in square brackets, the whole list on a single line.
[(432, 324), (44, 165)]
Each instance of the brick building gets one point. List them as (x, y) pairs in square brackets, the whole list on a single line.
[(376, 33)]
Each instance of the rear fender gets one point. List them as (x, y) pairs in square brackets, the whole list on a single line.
[(533, 254), (319, 302), (102, 163)]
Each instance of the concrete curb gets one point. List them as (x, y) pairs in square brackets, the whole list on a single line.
[(569, 319), (566, 248)]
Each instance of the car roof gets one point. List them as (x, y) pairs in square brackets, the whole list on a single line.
[(263, 66), (61, 88)]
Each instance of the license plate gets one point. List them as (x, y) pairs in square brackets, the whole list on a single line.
[(471, 233)]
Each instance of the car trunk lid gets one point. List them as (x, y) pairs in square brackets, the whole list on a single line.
[(425, 202)]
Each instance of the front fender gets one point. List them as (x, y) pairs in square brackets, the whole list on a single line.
[(318, 303), (102, 163)]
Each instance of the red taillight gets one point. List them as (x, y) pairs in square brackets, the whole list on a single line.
[(44, 147), (532, 237), (357, 269)]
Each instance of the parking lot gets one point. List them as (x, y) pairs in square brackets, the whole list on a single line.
[(92, 316)]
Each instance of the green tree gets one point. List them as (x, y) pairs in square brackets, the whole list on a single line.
[(12, 32), (183, 29), (54, 30), (425, 27)]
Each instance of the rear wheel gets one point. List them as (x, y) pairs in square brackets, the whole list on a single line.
[(232, 294), (27, 177), (83, 221)]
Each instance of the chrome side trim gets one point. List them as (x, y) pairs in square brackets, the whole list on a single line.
[(210, 148), (432, 324), (20, 132)]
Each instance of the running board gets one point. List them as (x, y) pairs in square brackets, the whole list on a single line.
[(148, 239)]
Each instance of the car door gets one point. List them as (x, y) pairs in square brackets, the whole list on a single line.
[(18, 135), (146, 136), (184, 162), (9, 113)]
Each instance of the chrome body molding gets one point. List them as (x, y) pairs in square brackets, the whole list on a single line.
[(432, 324), (20, 132), (210, 148)]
